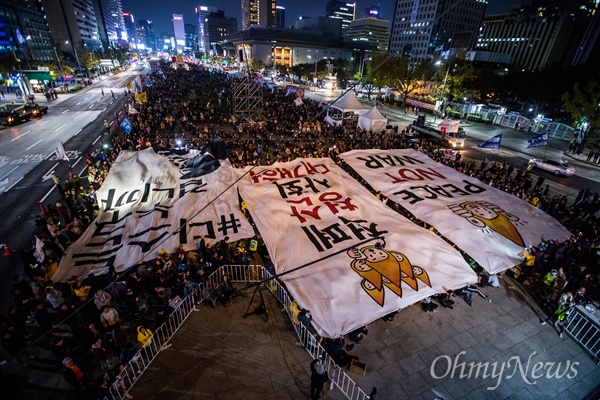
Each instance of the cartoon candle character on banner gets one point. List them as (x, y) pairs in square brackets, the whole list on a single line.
[(489, 216), (380, 267)]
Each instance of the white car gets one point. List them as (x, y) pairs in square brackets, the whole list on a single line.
[(560, 167)]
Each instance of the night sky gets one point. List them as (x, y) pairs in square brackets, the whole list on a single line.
[(160, 11)]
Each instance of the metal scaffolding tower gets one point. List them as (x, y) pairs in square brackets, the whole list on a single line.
[(248, 99)]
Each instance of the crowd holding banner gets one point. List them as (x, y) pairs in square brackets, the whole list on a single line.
[(364, 260), (490, 225), (305, 202), (148, 202)]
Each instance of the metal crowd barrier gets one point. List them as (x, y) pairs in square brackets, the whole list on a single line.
[(581, 325), (337, 377), (236, 274), (136, 367)]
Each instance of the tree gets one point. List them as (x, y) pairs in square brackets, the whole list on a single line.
[(399, 74), (8, 63), (584, 107), (255, 65)]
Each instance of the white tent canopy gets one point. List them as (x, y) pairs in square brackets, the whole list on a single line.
[(373, 120), (349, 103)]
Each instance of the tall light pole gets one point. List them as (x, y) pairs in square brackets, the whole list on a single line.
[(362, 66), (441, 96), (58, 60), (76, 56)]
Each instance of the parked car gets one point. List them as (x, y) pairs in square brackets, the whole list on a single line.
[(36, 110), (559, 167)]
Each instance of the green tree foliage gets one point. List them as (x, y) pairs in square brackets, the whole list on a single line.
[(8, 63), (255, 65), (584, 105), (398, 74)]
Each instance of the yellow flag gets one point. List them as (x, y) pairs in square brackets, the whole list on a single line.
[(143, 97), (129, 85), (138, 98)]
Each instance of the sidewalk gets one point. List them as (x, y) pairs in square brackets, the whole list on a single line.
[(582, 158), (218, 354)]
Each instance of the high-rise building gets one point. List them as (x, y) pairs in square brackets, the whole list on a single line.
[(191, 36), (258, 12), (130, 30), (218, 28), (117, 15), (341, 10), (421, 28), (202, 13), (23, 29), (279, 16), (148, 27), (109, 16), (373, 12), (73, 24), (586, 33), (330, 28), (372, 31), (179, 31), (141, 37), (542, 34)]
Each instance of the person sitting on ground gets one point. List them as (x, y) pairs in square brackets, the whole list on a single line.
[(467, 293), (428, 305), (391, 316), (358, 334), (445, 299), (485, 280)]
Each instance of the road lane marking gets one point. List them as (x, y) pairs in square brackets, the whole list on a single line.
[(91, 105), (65, 111), (76, 133), (78, 104), (83, 169), (77, 116), (33, 144), (112, 122), (87, 98), (20, 136), (112, 102), (9, 172), (50, 170), (79, 159), (14, 184), (47, 194), (104, 109), (95, 141), (60, 127), (44, 123)]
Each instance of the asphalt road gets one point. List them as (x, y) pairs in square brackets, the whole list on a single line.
[(27, 159), (513, 149)]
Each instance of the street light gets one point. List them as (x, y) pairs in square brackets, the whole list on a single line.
[(443, 90), (76, 57), (362, 67)]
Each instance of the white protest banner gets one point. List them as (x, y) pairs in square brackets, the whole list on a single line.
[(490, 225), (149, 202), (364, 259)]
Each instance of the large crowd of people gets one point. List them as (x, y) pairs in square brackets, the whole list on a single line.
[(90, 327)]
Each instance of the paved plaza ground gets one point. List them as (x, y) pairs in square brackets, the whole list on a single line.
[(217, 354)]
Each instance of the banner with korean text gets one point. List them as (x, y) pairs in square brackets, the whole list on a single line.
[(363, 260), (490, 225), (149, 202)]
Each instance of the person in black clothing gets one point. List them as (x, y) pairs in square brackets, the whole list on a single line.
[(318, 377)]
